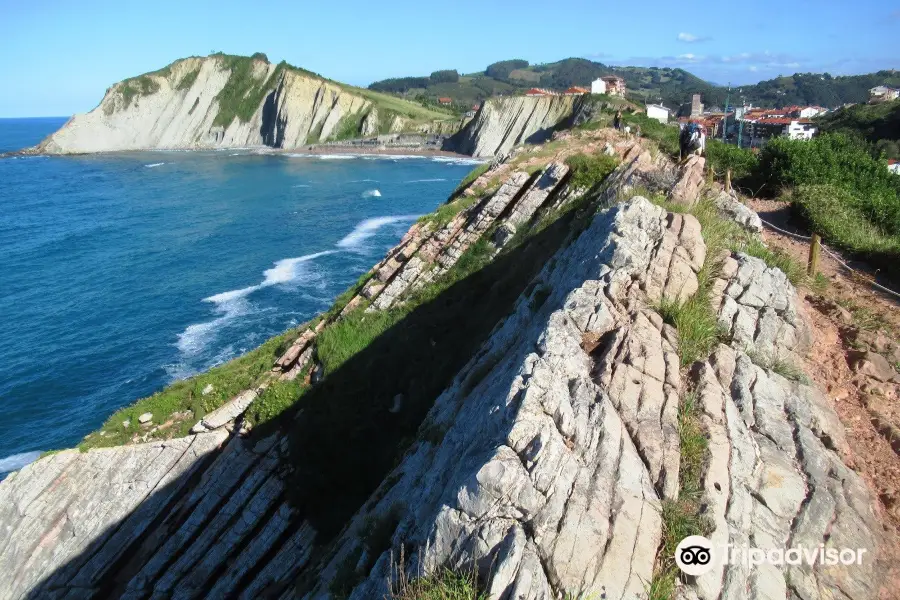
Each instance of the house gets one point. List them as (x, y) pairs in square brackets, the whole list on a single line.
[(808, 112), (894, 166), (576, 91), (598, 86), (615, 85), (800, 130), (539, 92), (445, 101), (658, 112), (883, 93)]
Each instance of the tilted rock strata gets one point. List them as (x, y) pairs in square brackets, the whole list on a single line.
[(296, 108), (502, 123), (537, 472)]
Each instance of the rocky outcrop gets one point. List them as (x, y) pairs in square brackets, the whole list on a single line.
[(545, 465), (502, 123), (193, 104)]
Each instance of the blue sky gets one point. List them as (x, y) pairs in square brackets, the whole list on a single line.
[(58, 57)]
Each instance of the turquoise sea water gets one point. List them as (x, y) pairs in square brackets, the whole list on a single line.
[(120, 273)]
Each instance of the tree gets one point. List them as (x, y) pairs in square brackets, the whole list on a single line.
[(445, 76), (502, 69)]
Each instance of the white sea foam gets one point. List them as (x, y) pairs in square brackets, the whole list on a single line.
[(150, 166), (454, 160), (371, 194), (233, 304), (425, 180), (300, 185), (334, 156), (368, 228), (17, 461), (363, 180)]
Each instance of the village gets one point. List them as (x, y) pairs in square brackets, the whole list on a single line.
[(746, 126)]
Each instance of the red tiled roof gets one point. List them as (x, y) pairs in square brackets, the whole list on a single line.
[(445, 100), (892, 161)]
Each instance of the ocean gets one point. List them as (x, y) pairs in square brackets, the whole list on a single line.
[(122, 273)]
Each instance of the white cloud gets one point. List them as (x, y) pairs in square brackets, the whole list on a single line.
[(690, 38)]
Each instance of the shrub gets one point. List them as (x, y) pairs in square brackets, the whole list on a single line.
[(721, 156), (502, 69), (841, 218), (589, 170), (840, 161), (666, 136), (445, 76)]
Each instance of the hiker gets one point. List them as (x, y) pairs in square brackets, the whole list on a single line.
[(692, 140), (617, 120)]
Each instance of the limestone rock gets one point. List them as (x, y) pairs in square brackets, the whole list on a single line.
[(505, 122), (687, 190), (145, 418), (729, 206)]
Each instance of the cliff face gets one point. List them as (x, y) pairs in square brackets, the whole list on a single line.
[(221, 101), (547, 461), (502, 123)]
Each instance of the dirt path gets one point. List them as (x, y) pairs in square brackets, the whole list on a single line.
[(848, 317)]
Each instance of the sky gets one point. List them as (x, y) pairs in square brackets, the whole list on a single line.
[(58, 57)]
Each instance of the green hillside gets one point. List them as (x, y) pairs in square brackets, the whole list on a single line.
[(878, 124), (672, 86)]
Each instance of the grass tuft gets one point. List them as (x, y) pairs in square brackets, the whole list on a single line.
[(683, 517), (697, 325)]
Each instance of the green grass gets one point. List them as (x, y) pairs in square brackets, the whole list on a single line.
[(838, 216), (445, 585), (779, 259), (698, 328), (227, 380), (278, 397), (590, 170), (446, 212), (143, 85), (243, 92), (864, 318), (779, 364), (471, 177), (349, 126), (683, 517), (188, 80)]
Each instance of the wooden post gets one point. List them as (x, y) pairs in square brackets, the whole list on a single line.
[(815, 247), (728, 180)]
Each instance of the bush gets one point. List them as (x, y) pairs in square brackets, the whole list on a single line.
[(664, 135), (589, 170), (445, 76), (721, 157), (502, 69), (839, 216), (839, 161), (260, 56)]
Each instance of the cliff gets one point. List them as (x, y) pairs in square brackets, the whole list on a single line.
[(225, 101), (521, 396), (502, 123)]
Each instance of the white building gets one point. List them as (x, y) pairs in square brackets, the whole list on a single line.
[(598, 86), (808, 112), (894, 167), (883, 92), (658, 112), (798, 130)]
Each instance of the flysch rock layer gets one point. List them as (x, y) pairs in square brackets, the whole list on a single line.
[(558, 442), (502, 123), (295, 108)]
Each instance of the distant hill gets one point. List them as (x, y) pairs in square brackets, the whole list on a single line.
[(672, 86), (876, 123)]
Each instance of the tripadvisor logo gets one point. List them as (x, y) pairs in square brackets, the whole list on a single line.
[(696, 555)]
